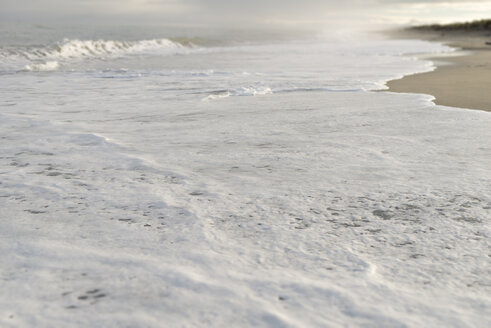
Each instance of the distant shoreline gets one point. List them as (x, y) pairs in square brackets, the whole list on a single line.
[(458, 81), (483, 25)]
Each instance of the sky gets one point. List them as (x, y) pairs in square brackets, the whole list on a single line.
[(243, 12)]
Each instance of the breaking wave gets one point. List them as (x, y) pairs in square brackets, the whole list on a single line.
[(72, 49)]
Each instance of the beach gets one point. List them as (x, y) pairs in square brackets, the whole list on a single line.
[(461, 79)]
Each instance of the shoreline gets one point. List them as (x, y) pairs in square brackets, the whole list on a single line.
[(461, 80)]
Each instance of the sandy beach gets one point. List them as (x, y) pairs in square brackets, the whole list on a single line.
[(461, 79)]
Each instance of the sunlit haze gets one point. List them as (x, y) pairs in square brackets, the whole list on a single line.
[(243, 14)]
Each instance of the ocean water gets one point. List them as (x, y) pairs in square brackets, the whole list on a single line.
[(156, 177)]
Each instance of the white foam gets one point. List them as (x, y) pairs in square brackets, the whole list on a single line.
[(251, 91), (43, 67), (219, 95), (242, 91), (127, 200)]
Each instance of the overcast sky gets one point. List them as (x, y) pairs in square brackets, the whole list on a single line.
[(241, 12)]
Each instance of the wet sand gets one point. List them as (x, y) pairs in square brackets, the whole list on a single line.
[(461, 80)]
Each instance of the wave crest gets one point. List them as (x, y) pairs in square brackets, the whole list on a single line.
[(72, 49)]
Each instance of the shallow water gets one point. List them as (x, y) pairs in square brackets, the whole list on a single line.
[(242, 182)]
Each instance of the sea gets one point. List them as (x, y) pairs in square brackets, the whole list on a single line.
[(182, 177)]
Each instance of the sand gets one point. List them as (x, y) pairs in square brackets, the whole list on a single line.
[(461, 80)]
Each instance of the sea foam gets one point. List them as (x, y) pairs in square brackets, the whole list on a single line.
[(242, 91), (42, 67), (126, 198)]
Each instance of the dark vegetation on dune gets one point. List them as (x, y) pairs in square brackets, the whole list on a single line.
[(477, 25)]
